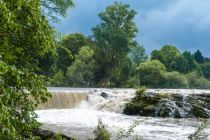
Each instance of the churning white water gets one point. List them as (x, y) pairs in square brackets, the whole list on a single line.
[(107, 105)]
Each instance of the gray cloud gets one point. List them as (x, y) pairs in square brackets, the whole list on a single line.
[(183, 23)]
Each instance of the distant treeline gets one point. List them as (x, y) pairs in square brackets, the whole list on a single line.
[(112, 57)]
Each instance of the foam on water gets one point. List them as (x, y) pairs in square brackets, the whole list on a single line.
[(67, 120), (80, 121)]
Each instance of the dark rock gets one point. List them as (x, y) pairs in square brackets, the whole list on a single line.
[(169, 105), (104, 94)]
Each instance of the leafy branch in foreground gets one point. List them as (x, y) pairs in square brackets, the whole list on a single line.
[(125, 133), (20, 92), (101, 133)]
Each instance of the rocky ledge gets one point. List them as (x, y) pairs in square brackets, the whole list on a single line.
[(166, 104)]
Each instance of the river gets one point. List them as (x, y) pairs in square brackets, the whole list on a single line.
[(75, 112)]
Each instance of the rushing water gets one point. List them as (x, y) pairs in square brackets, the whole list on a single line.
[(78, 119)]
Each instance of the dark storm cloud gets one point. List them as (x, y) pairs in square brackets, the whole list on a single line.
[(183, 23)]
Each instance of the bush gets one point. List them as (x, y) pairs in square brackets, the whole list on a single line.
[(101, 133), (197, 81), (58, 79), (175, 80), (151, 73)]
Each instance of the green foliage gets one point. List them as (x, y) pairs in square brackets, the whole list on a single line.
[(54, 8), (73, 42), (123, 133), (58, 79), (113, 37), (166, 55), (206, 70), (198, 57), (151, 73), (101, 133), (175, 80), (26, 39), (197, 81), (25, 33), (120, 75), (179, 64), (69, 47), (137, 54), (21, 91), (191, 64), (132, 82), (46, 63), (80, 73), (65, 58)]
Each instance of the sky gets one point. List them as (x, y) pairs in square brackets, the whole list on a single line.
[(182, 23)]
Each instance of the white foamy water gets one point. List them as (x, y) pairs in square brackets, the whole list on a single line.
[(80, 121)]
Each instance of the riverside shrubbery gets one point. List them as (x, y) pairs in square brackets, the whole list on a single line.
[(153, 74), (101, 132)]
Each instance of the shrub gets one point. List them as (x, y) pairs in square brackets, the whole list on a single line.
[(101, 133), (197, 81), (175, 80), (151, 73)]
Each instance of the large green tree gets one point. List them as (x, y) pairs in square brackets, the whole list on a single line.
[(191, 64), (113, 36), (198, 57), (25, 35), (81, 72), (69, 47), (74, 42), (167, 54)]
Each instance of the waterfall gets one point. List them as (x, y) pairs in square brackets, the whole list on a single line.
[(63, 100), (173, 103), (88, 98), (107, 100)]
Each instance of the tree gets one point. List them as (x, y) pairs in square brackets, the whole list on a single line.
[(191, 65), (198, 57), (54, 8), (175, 80), (81, 72), (166, 55), (73, 42), (137, 54), (179, 64), (151, 73), (69, 46), (64, 59), (25, 35), (113, 36), (206, 70), (197, 81)]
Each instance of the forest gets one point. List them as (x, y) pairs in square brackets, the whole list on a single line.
[(112, 57), (34, 56)]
